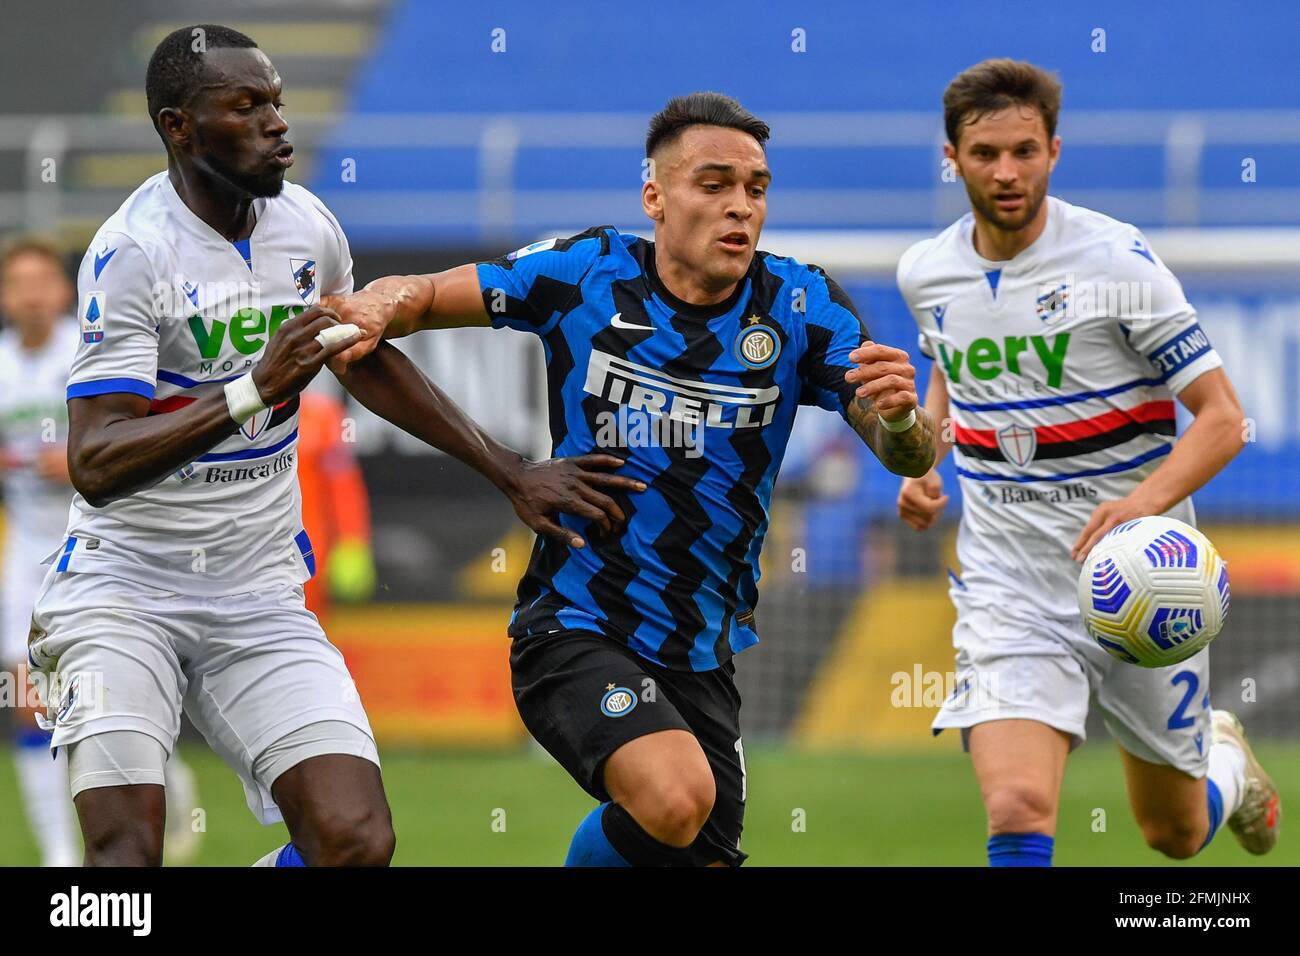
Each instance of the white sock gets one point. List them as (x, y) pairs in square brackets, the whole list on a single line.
[(1228, 771), (44, 784)]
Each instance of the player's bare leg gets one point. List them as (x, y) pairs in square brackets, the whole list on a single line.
[(336, 811), (662, 792), (1019, 765), (664, 781), (123, 826), (1169, 806), (1179, 814)]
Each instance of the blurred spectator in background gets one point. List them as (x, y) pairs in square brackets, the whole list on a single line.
[(36, 349), (335, 506)]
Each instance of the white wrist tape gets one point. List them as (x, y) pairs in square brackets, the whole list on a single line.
[(242, 398), (337, 333), (900, 426)]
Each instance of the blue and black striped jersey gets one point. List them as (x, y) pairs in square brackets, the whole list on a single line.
[(699, 401)]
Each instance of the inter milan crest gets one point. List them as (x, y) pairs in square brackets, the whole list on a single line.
[(304, 277), (757, 346), (1018, 444), (617, 701)]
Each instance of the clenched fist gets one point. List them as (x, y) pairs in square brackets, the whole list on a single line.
[(921, 500), (293, 356)]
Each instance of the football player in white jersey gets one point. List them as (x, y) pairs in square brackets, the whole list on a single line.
[(1060, 342), (179, 580)]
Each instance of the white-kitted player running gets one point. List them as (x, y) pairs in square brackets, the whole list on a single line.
[(178, 584), (1060, 342)]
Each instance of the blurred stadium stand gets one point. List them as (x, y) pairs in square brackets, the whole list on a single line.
[(460, 153)]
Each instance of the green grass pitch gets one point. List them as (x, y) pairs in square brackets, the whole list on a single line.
[(875, 810)]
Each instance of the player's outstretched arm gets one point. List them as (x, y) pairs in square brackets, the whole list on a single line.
[(1213, 439), (885, 396), (396, 306), (116, 448), (387, 383)]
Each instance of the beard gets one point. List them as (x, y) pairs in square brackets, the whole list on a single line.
[(989, 210), (265, 185)]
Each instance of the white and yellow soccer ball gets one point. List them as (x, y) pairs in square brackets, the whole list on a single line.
[(1154, 591)]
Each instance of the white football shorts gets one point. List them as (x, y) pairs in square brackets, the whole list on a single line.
[(248, 669), (1015, 663)]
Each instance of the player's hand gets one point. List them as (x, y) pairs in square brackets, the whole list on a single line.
[(293, 356), (368, 310), (52, 464), (1107, 515), (885, 375), (921, 500), (540, 489)]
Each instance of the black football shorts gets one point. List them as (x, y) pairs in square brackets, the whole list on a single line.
[(583, 695)]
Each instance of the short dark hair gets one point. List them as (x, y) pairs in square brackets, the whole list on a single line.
[(702, 109), (996, 84), (31, 245), (176, 67)]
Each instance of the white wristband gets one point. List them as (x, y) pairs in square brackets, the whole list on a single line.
[(242, 398), (900, 426)]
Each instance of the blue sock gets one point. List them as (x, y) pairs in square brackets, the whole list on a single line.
[(1020, 849), (590, 846), (1214, 800), (289, 856)]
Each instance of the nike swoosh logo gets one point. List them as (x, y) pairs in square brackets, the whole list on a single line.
[(101, 261), (618, 323)]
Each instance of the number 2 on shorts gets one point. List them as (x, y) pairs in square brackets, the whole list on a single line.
[(1179, 719)]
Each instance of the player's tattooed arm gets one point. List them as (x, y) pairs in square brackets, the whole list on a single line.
[(909, 452), (387, 383), (886, 393)]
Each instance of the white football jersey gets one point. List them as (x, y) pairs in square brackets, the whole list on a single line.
[(1062, 364), (168, 307), (34, 419)]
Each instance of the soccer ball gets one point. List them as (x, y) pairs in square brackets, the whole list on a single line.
[(1153, 592)]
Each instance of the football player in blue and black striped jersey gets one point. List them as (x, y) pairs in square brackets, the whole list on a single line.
[(685, 359)]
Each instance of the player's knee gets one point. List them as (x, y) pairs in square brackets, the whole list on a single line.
[(1019, 808), (126, 843), (1176, 839), (678, 810), (362, 836)]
